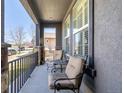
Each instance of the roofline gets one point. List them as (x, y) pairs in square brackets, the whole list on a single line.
[(69, 10), (29, 10)]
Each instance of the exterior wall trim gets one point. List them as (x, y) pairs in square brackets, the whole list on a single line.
[(88, 79), (69, 10), (29, 10)]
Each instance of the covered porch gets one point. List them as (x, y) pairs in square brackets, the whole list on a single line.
[(83, 28), (73, 21)]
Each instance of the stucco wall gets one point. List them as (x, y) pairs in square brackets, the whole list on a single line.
[(107, 48), (107, 45)]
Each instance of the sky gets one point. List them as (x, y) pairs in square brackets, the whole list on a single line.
[(16, 16), (49, 30)]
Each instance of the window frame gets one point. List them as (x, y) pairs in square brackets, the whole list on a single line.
[(67, 21), (79, 6)]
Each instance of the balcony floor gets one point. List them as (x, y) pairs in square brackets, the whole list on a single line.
[(38, 82)]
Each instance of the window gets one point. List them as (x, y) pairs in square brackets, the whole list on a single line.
[(67, 34), (67, 44), (80, 27), (85, 13), (85, 44), (81, 43), (79, 18), (78, 44)]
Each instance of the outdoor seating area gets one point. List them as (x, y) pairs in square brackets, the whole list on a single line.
[(71, 46), (57, 57), (69, 80)]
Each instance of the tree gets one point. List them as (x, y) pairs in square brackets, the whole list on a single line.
[(33, 36), (17, 37)]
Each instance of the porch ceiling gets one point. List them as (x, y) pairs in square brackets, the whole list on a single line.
[(49, 10)]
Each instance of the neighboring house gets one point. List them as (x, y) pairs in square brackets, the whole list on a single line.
[(49, 41), (49, 45)]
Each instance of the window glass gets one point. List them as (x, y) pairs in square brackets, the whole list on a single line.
[(67, 34), (85, 44), (81, 43), (75, 25), (67, 44), (67, 26), (80, 27), (80, 18), (80, 14), (85, 13), (78, 44)]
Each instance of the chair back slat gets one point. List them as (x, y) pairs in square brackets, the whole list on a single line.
[(57, 54)]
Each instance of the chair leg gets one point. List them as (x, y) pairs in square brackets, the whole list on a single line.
[(54, 90), (78, 90), (47, 66), (74, 91)]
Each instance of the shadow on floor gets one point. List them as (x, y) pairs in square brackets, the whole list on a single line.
[(38, 82)]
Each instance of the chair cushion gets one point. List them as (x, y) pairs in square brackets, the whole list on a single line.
[(74, 68), (57, 54), (64, 83)]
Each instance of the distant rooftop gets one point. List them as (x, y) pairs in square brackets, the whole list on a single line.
[(49, 35)]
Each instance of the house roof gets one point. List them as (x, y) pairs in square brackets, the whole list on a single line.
[(49, 35)]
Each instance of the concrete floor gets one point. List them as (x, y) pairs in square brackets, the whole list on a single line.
[(38, 82)]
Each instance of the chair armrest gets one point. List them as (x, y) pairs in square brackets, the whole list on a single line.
[(63, 62), (78, 76), (54, 69)]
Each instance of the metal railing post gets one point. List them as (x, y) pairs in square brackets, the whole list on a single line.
[(11, 77), (19, 71), (15, 77)]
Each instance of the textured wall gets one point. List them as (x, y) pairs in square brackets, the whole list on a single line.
[(107, 45)]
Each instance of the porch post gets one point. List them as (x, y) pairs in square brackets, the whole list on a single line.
[(91, 34), (42, 60), (4, 55), (58, 36), (2, 21), (38, 42)]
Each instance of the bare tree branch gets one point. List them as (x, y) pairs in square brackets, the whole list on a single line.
[(18, 36)]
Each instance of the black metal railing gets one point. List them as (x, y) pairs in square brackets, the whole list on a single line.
[(20, 70)]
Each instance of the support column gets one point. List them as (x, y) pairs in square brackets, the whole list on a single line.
[(37, 35), (42, 44), (4, 55), (2, 20), (59, 36), (4, 68), (38, 42)]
